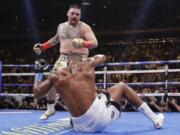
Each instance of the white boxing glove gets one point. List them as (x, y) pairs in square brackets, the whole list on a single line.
[(78, 43), (37, 48)]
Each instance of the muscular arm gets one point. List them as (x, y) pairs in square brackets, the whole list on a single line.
[(39, 48), (54, 40), (51, 42), (90, 38), (40, 88)]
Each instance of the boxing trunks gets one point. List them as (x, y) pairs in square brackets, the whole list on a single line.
[(102, 113), (63, 60)]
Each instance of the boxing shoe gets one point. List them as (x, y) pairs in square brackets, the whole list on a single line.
[(47, 114), (159, 121)]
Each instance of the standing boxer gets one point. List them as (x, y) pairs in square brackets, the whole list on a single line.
[(75, 38)]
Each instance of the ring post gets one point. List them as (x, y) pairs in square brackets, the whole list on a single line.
[(105, 77), (166, 81), (0, 77)]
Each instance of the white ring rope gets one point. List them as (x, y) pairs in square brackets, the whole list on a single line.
[(139, 94), (110, 64), (17, 65), (138, 71), (141, 63), (102, 72), (145, 83), (166, 71)]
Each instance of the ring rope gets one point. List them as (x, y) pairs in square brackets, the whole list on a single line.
[(110, 64), (137, 71), (139, 94), (141, 63), (109, 84), (143, 83), (18, 65), (102, 72), (107, 72)]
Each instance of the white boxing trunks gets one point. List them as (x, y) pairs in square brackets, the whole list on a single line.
[(100, 115)]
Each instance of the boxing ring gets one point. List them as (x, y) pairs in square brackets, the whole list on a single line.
[(26, 122)]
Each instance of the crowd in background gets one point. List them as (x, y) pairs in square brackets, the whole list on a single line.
[(114, 54)]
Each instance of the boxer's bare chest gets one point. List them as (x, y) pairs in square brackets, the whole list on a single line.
[(66, 31)]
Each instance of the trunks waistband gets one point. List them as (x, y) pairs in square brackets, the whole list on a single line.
[(109, 102), (68, 57)]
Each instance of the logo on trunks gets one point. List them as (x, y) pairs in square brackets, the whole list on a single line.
[(60, 126)]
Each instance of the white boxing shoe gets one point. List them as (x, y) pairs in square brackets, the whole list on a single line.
[(159, 122), (47, 114)]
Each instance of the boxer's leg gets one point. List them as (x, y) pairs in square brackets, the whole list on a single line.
[(51, 97), (121, 90)]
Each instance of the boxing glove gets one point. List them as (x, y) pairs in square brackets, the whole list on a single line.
[(78, 43), (38, 48)]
